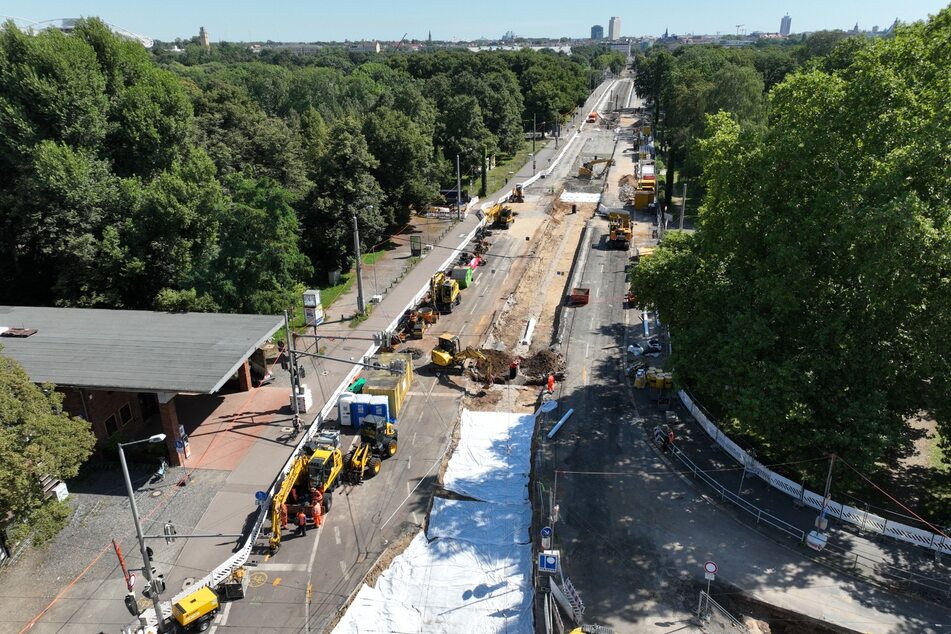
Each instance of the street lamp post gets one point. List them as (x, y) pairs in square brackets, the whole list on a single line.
[(157, 438)]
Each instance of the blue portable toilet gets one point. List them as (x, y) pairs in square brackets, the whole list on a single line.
[(380, 406), (359, 408)]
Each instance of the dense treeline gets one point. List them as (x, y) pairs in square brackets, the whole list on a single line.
[(811, 309), (220, 180)]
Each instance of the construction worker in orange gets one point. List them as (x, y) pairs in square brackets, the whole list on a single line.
[(551, 383), (301, 523), (317, 498), (283, 516)]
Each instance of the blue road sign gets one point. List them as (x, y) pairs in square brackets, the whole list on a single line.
[(260, 496), (547, 562), (180, 444), (546, 531)]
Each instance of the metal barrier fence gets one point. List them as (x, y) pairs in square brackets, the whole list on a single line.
[(857, 517), (755, 511), (707, 607)]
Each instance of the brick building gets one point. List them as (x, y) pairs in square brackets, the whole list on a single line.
[(121, 369)]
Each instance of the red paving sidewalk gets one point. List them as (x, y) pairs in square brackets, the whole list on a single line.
[(221, 439)]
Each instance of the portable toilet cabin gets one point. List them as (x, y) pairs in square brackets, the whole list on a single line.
[(343, 408), (359, 408), (379, 406)]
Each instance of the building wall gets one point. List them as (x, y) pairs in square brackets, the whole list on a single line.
[(597, 32), (101, 406), (614, 28)]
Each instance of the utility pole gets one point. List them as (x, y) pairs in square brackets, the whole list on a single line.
[(292, 366), (361, 307), (534, 129), (458, 191), (825, 498), (683, 206)]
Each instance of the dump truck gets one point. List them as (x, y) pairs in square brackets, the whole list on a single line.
[(579, 296), (449, 352), (195, 612), (619, 230), (445, 292)]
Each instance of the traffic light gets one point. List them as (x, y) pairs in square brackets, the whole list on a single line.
[(131, 604), (146, 591), (148, 551)]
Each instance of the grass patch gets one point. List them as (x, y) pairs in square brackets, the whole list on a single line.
[(362, 317), (499, 175)]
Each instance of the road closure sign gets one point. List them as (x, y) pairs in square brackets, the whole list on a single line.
[(710, 570)]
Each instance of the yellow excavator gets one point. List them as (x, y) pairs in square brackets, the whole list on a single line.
[(319, 467), (587, 169), (378, 438), (445, 292), (449, 352), (518, 194)]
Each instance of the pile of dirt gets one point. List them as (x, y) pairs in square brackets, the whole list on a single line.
[(542, 363), (628, 179), (496, 364)]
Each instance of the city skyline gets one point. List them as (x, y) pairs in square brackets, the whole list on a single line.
[(374, 20)]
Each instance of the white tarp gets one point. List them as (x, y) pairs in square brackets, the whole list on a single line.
[(493, 459), (579, 197), (473, 571), (480, 522)]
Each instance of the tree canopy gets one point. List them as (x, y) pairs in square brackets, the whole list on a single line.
[(811, 307)]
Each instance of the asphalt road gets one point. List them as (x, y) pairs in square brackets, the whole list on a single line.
[(634, 532), (305, 584)]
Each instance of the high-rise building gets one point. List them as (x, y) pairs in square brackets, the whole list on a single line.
[(614, 28), (784, 25), (597, 32), (203, 38)]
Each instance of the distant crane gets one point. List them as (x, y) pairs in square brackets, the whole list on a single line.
[(398, 46), (738, 27)]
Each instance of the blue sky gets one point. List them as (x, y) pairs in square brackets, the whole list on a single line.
[(284, 20)]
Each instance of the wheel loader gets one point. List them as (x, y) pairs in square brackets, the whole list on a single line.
[(378, 441)]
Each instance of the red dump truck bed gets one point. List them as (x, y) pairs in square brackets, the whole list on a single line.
[(579, 296)]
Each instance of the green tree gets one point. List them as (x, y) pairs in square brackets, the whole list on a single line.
[(37, 439), (811, 308), (259, 263), (344, 187)]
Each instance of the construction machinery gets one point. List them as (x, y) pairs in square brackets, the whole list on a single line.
[(449, 352), (317, 469), (587, 169), (518, 194), (620, 233), (378, 441), (505, 218), (194, 612), (445, 292)]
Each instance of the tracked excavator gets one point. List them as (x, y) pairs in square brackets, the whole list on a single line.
[(449, 352), (587, 169), (445, 292), (619, 227)]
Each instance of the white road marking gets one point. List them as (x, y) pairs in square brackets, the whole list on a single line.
[(409, 462), (597, 291), (415, 518), (476, 281), (343, 569), (310, 579), (414, 439), (409, 488), (221, 619), (602, 268), (282, 567), (586, 347), (337, 535)]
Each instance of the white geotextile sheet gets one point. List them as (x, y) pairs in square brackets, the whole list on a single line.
[(480, 522), (448, 586), (473, 572), (579, 197), (493, 458)]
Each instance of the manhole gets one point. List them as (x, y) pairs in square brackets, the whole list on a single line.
[(156, 494)]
